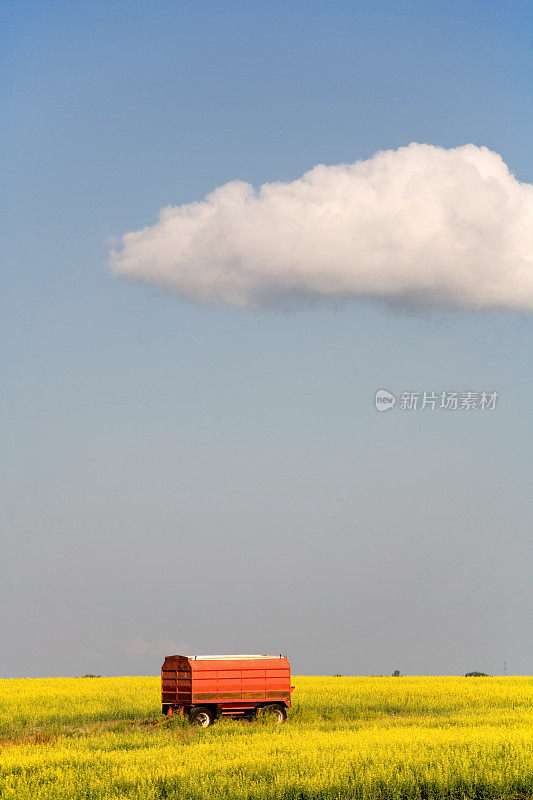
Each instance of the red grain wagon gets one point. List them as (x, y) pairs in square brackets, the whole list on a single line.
[(206, 687)]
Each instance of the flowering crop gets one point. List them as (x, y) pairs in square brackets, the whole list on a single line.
[(384, 738)]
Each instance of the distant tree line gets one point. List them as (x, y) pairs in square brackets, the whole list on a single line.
[(398, 674)]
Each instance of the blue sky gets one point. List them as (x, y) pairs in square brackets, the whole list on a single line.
[(217, 479)]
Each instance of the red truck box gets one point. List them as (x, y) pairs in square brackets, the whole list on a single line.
[(205, 687)]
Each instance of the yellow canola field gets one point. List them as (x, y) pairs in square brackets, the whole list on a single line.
[(387, 738)]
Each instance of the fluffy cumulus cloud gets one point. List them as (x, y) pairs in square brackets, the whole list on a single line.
[(421, 225)]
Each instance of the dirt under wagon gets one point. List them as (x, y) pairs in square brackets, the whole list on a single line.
[(206, 687)]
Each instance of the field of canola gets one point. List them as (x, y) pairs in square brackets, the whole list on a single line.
[(387, 738)]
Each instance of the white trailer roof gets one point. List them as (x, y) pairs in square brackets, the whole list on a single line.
[(242, 655)]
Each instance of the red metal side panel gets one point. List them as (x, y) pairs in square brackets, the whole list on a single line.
[(176, 685), (231, 680)]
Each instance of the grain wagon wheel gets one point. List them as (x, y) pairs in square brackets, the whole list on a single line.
[(275, 712), (201, 716)]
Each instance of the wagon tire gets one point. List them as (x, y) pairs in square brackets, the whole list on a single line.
[(275, 712), (201, 716)]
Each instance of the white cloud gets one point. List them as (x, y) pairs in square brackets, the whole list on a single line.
[(138, 648), (92, 655), (421, 224)]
